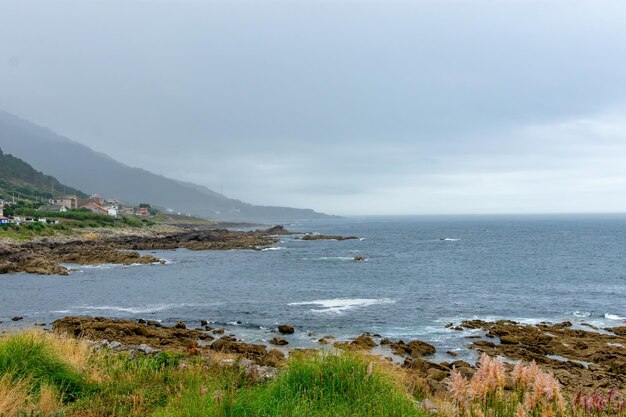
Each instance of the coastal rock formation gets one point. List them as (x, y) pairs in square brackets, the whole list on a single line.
[(580, 359), (414, 349), (129, 332), (278, 341), (47, 256), (286, 329)]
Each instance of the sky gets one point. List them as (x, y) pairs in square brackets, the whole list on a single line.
[(346, 107)]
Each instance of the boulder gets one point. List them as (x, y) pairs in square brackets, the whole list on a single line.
[(286, 329), (278, 341)]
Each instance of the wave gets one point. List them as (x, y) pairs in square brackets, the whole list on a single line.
[(339, 305), (582, 313), (330, 258), (273, 248), (614, 317), (449, 239), (150, 308)]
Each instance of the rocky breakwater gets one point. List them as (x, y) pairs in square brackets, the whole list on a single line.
[(580, 359)]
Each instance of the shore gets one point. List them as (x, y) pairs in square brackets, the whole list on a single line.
[(517, 359), (49, 255)]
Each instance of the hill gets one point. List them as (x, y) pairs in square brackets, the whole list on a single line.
[(94, 172), (19, 178)]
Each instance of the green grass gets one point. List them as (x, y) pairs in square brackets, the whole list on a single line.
[(326, 386), (25, 357), (173, 385)]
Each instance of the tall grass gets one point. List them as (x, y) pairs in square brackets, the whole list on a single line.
[(28, 357), (536, 394), (328, 385)]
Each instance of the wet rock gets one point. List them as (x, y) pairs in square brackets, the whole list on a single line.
[(278, 341), (229, 344), (204, 323), (359, 258), (128, 332), (219, 331), (620, 330), (453, 354), (286, 329), (17, 318), (363, 342), (508, 340), (483, 344), (180, 325)]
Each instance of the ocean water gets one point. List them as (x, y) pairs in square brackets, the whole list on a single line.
[(420, 273)]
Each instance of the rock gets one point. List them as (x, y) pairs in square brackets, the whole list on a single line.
[(129, 333), (483, 344), (17, 318), (436, 374), (620, 330), (359, 258), (141, 321), (508, 340), (154, 323), (286, 329), (429, 406), (466, 372), (208, 328), (385, 341), (204, 323), (453, 354), (229, 344), (278, 341), (147, 349), (180, 325), (227, 362), (219, 331), (363, 342), (417, 348)]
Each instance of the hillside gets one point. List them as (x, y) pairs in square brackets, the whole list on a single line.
[(18, 177), (94, 172)]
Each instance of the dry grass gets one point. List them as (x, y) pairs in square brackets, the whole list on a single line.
[(14, 396)]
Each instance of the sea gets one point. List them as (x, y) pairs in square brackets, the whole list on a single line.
[(419, 273)]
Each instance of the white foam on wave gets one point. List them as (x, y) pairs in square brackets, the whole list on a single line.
[(449, 239), (273, 248), (340, 305), (149, 308), (330, 258), (582, 313), (614, 317)]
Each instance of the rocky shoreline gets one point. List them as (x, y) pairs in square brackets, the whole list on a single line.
[(581, 360), (47, 256)]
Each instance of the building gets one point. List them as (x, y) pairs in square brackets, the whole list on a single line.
[(112, 210), (1, 209), (95, 208), (69, 201), (95, 197), (53, 207), (142, 211), (4, 220)]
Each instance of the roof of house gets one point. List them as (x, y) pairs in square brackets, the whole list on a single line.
[(96, 205)]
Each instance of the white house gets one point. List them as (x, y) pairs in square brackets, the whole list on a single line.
[(112, 211)]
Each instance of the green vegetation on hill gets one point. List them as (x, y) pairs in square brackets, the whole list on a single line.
[(18, 177)]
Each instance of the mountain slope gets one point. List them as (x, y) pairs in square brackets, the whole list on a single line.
[(17, 176), (94, 172)]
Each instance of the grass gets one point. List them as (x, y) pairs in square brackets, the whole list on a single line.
[(45, 375), (28, 357)]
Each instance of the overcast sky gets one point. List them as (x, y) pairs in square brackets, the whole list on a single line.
[(347, 107)]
